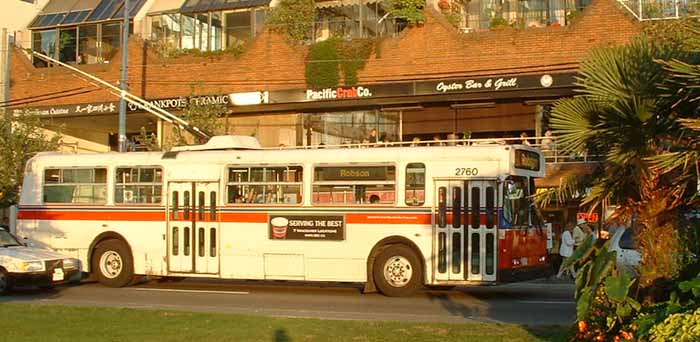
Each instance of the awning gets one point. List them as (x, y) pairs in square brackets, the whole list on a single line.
[(341, 3), (555, 174), (193, 6), (59, 13), (165, 6)]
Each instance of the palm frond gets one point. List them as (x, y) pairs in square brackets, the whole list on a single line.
[(693, 124)]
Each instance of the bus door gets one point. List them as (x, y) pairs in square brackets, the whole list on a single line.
[(482, 229), (193, 227), (449, 230), (464, 222)]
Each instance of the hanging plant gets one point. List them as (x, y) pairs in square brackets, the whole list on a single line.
[(327, 59), (293, 18), (322, 69), (411, 10)]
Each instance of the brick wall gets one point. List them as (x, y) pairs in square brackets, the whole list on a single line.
[(433, 50)]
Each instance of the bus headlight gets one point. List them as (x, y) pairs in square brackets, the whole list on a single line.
[(543, 259), (71, 264), (33, 266)]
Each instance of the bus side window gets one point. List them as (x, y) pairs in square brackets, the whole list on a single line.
[(186, 205), (175, 204), (200, 209), (415, 184)]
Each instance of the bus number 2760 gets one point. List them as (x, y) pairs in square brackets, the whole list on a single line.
[(466, 171)]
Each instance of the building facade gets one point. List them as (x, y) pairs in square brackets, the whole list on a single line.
[(439, 78)]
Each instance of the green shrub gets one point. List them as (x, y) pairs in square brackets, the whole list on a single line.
[(322, 68), (680, 327), (498, 22), (293, 18), (411, 10)]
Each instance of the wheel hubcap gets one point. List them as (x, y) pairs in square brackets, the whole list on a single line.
[(111, 264), (398, 271)]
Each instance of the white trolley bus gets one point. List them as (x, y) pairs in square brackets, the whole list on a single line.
[(394, 218)]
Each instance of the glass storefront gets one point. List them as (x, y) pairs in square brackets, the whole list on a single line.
[(352, 127)]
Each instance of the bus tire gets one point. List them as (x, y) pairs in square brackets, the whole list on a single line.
[(5, 282), (113, 264), (397, 271)]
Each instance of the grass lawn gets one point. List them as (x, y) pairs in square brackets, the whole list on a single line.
[(61, 323)]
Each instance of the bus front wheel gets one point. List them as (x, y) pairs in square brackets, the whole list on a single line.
[(113, 264), (397, 271)]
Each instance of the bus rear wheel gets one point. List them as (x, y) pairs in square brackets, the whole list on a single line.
[(113, 264), (397, 271)]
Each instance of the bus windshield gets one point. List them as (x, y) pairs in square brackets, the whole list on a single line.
[(516, 201)]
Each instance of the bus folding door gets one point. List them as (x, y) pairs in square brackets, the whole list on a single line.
[(193, 227)]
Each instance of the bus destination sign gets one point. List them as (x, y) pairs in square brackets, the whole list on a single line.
[(307, 227), (351, 173), (527, 160)]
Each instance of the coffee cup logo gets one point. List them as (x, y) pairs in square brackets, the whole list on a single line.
[(279, 227)]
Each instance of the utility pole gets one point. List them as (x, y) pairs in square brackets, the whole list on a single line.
[(123, 83), (5, 72)]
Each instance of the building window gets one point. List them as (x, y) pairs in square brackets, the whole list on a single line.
[(238, 28), (351, 20), (68, 45), (44, 42), (354, 185), (84, 44), (75, 186), (339, 128), (88, 47), (111, 40), (485, 14), (264, 185), (143, 185)]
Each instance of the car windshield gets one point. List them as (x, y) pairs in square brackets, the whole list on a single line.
[(7, 240)]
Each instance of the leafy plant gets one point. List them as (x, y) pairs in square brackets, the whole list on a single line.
[(21, 137), (683, 302), (573, 15), (603, 302), (328, 58), (454, 18), (498, 22), (293, 18), (322, 68), (628, 112), (411, 10)]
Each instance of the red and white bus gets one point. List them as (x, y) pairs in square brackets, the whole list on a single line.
[(394, 218)]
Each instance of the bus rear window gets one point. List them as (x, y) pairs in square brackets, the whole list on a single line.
[(75, 185), (354, 185)]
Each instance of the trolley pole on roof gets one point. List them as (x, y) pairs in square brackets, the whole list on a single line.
[(123, 83)]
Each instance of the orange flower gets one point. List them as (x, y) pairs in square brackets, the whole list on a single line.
[(626, 335), (582, 326), (617, 339)]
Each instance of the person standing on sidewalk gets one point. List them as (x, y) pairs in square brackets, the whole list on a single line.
[(579, 234), (566, 249)]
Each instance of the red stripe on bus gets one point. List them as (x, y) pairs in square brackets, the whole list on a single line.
[(380, 218), (83, 215), (244, 217)]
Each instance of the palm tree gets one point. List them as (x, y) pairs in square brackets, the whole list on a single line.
[(636, 110)]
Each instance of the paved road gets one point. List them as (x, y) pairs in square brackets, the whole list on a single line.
[(523, 303)]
